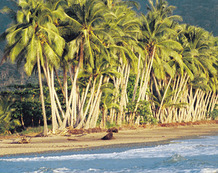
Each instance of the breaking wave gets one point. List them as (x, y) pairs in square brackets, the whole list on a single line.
[(191, 156)]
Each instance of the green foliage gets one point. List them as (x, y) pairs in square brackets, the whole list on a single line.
[(29, 130), (29, 111), (130, 87), (8, 124), (110, 125), (214, 113), (103, 41), (24, 107), (143, 110)]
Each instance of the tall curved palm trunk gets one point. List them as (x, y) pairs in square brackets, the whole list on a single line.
[(45, 131)]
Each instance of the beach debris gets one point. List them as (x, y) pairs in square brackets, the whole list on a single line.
[(39, 135), (71, 139), (108, 136), (82, 131), (24, 140), (68, 135), (113, 129), (94, 130), (75, 131)]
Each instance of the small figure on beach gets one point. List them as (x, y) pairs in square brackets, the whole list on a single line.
[(109, 136)]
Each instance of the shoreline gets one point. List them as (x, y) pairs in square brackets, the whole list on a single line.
[(148, 136)]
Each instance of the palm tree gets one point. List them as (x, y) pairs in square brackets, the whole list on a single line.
[(122, 25), (99, 44), (35, 40), (157, 28), (82, 29), (199, 57), (104, 71), (107, 102), (198, 48)]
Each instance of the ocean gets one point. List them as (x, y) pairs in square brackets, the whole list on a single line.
[(179, 156)]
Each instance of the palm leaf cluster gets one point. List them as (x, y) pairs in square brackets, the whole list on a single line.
[(93, 47)]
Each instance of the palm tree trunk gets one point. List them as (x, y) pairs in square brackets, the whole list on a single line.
[(65, 86), (137, 79), (58, 103), (45, 131), (59, 81), (68, 106), (103, 120), (191, 106), (80, 113), (80, 125), (143, 89), (94, 119), (156, 86), (94, 104), (161, 104), (52, 98)]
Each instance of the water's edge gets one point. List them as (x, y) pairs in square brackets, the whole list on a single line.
[(121, 145)]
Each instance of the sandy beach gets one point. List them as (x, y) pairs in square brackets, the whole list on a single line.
[(151, 135)]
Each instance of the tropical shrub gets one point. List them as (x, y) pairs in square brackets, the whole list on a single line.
[(8, 124), (141, 111), (214, 113)]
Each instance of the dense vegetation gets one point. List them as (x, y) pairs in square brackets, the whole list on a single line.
[(203, 14), (105, 64), (21, 108)]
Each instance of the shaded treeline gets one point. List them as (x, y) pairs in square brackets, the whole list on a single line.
[(21, 108), (113, 65)]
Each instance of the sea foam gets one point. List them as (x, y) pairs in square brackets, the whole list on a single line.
[(181, 148)]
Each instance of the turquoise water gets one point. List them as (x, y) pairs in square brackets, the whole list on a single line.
[(189, 156)]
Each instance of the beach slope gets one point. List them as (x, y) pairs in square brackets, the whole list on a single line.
[(146, 136)]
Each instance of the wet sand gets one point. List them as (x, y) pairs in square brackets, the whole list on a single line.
[(126, 137)]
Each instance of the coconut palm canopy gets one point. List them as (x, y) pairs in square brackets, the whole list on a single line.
[(114, 66)]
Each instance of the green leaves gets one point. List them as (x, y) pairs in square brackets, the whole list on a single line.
[(172, 44), (27, 37), (20, 17), (7, 123), (109, 41), (197, 53), (31, 54)]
